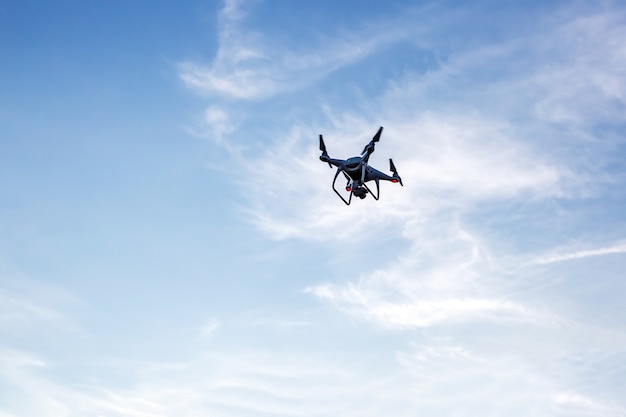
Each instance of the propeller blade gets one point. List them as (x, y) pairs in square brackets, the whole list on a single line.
[(322, 145), (324, 156), (393, 169), (377, 135)]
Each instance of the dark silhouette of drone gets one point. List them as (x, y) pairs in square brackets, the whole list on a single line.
[(358, 172)]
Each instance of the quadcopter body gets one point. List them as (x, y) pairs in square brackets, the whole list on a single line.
[(357, 171)]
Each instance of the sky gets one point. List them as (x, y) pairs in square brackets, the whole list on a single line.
[(170, 245)]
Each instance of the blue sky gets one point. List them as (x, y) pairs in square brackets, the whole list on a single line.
[(170, 244)]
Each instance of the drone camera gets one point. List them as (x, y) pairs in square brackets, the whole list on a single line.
[(360, 192)]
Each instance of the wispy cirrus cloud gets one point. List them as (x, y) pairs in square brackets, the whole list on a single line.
[(443, 280), (415, 312), (571, 403), (448, 161), (250, 65), (439, 376), (252, 383), (588, 86), (617, 248), (25, 304)]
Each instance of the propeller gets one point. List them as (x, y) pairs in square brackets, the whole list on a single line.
[(369, 148), (377, 135), (324, 156), (393, 169)]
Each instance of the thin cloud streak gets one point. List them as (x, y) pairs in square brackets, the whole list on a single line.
[(577, 404), (416, 313), (570, 256)]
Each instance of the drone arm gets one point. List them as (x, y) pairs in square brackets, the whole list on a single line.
[(376, 175), (339, 163)]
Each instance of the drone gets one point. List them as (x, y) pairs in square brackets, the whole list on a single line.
[(357, 171)]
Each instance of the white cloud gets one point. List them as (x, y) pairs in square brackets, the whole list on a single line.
[(222, 383), (445, 160), (415, 313), (452, 380), (573, 404), (440, 377), (616, 248), (590, 79), (447, 277), (249, 65)]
